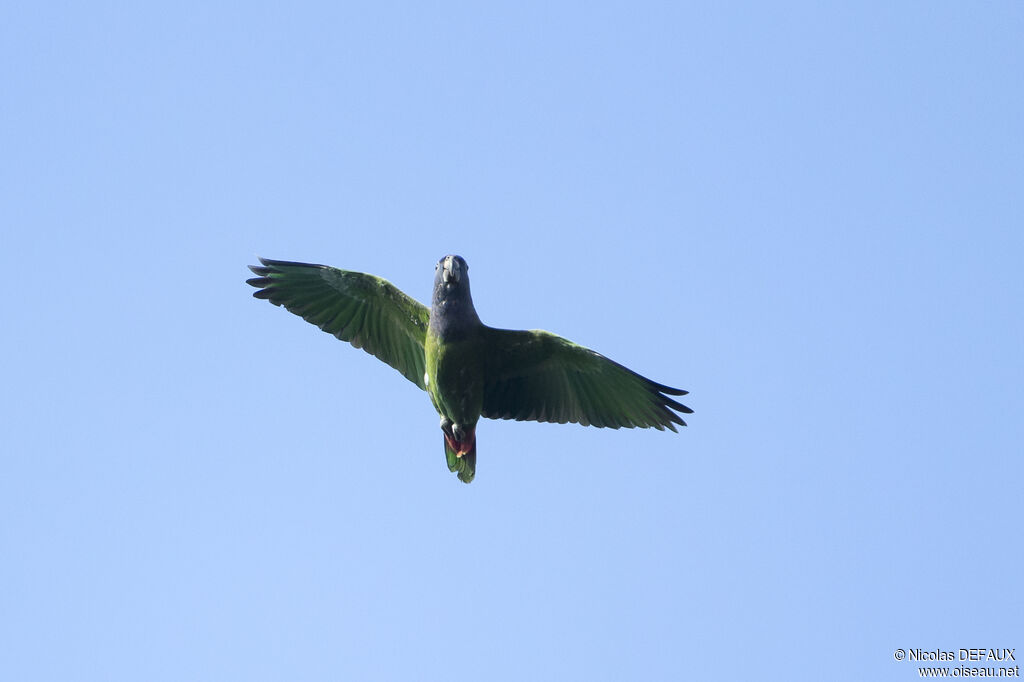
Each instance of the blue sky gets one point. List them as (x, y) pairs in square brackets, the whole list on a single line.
[(807, 215)]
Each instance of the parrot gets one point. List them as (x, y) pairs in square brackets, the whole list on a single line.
[(468, 369)]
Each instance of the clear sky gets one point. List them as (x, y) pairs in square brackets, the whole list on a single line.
[(807, 214)]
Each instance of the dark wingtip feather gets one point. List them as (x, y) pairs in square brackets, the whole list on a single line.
[(668, 389), (261, 283), (671, 407), (672, 417), (275, 264), (678, 407)]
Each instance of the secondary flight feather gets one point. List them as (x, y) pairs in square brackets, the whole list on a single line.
[(468, 369)]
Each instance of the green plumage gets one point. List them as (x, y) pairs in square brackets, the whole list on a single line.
[(368, 312), (468, 369)]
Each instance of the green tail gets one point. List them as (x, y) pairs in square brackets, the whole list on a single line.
[(465, 466)]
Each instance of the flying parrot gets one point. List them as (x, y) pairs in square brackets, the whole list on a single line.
[(468, 369)]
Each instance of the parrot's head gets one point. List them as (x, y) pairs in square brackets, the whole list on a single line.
[(451, 278), (452, 301), (451, 269)]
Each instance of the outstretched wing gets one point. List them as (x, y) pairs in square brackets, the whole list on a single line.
[(367, 311), (537, 375)]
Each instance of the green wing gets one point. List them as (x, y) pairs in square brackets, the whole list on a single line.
[(367, 311), (536, 375)]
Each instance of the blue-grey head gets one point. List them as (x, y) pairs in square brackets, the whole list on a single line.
[(452, 305), (451, 279)]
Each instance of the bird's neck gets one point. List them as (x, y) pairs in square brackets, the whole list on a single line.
[(453, 317)]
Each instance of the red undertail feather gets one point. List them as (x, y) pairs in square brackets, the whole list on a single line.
[(464, 446), (461, 455)]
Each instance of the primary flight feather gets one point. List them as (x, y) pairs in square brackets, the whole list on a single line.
[(468, 369)]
